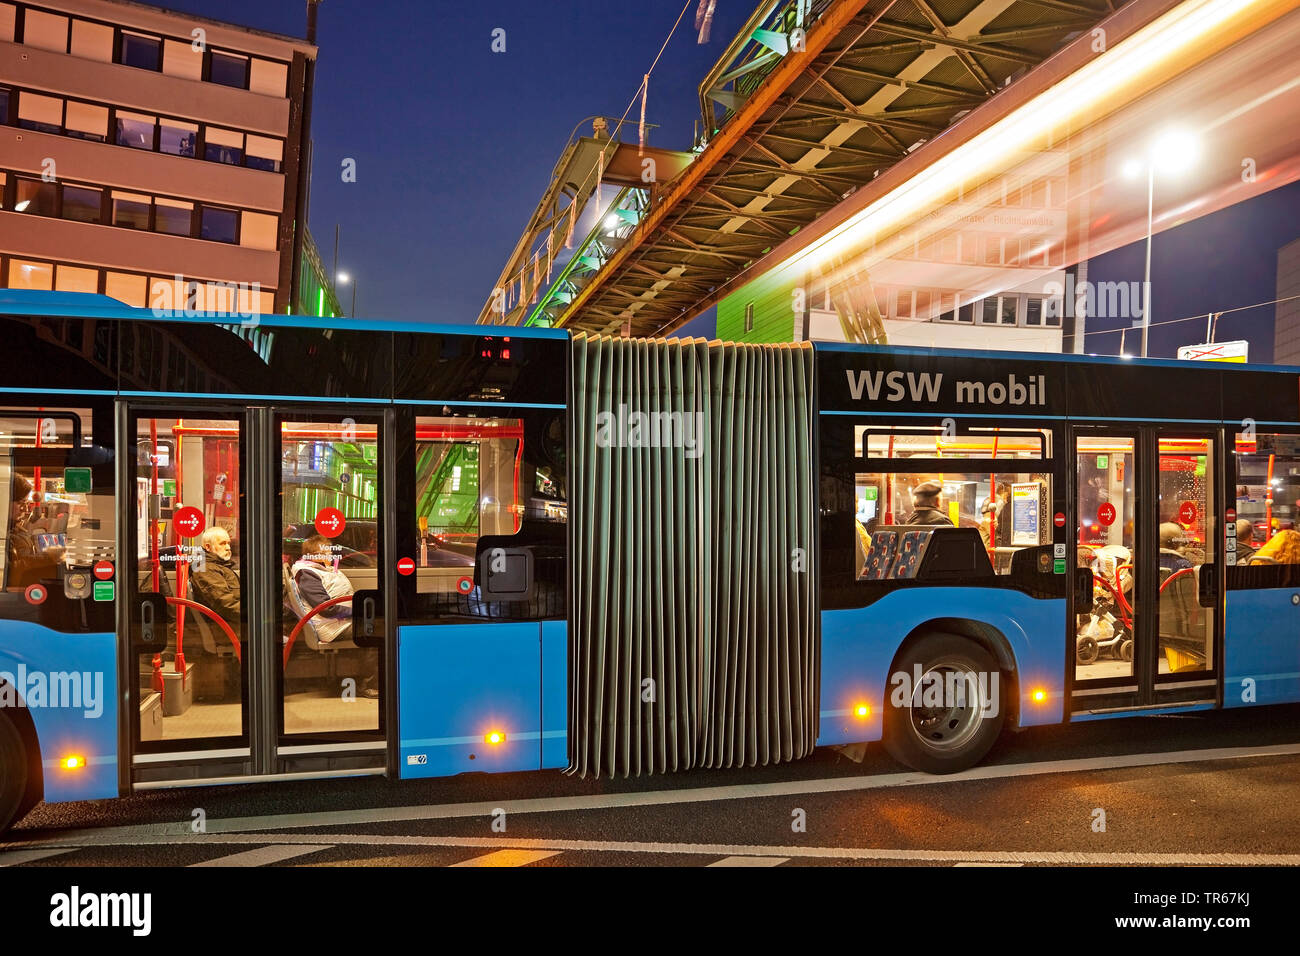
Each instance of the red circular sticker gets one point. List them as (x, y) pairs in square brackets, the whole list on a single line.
[(405, 566), (465, 585), (1232, 515), (188, 522), (1106, 514), (1059, 520), (330, 522), (1187, 512), (36, 593), (103, 570)]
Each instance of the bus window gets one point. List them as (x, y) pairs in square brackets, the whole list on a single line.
[(188, 539), (467, 485), (1106, 512), (55, 528), (1010, 506), (329, 508), (1187, 539), (1267, 495)]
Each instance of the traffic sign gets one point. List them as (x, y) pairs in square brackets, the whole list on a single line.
[(1231, 515), (406, 566), (188, 522), (1187, 512), (1059, 519), (36, 593), (103, 570), (1106, 514), (330, 522), (465, 585)]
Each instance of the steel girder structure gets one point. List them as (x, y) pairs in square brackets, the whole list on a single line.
[(812, 100)]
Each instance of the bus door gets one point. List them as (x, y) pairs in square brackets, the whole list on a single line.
[(1148, 516), (254, 616)]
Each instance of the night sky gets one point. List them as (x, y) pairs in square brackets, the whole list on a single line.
[(454, 145)]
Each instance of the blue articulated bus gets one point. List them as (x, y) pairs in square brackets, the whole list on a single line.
[(286, 548)]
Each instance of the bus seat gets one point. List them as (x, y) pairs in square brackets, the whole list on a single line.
[(309, 633), (1182, 635)]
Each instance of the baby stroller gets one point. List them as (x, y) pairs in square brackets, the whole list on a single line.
[(1108, 629)]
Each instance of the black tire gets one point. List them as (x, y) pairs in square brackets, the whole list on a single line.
[(14, 776), (1086, 649), (950, 737)]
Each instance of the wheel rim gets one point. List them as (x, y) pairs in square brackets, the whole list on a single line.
[(952, 724)]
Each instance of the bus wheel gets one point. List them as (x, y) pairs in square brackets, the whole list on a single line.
[(13, 773), (955, 713)]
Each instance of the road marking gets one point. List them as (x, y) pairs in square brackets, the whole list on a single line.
[(20, 857), (508, 858), (965, 863), (606, 801), (264, 856), (750, 861), (983, 857)]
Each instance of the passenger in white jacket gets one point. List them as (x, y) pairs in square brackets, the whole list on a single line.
[(318, 581)]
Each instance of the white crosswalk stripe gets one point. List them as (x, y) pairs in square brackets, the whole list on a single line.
[(264, 856), (750, 861)]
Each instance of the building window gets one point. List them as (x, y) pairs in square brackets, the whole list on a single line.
[(130, 210), (43, 114), (264, 153), (36, 197), (31, 275), (1010, 305), (173, 217), (258, 231), (989, 313), (1034, 310), (229, 69), (967, 312), (83, 204), (125, 288), (135, 130), (87, 122), (177, 138), (219, 225), (7, 15), (268, 78), (94, 41), (181, 59), (224, 146), (749, 317), (76, 279), (923, 305), (45, 31), (5, 96), (143, 52)]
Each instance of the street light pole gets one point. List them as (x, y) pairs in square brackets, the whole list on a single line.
[(1146, 284), (354, 298)]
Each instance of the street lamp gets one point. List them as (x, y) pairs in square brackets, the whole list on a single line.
[(1174, 151), (345, 279)]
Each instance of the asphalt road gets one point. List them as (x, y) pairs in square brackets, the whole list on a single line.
[(1193, 789)]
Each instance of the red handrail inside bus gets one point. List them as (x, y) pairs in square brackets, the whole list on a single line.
[(293, 635), (221, 621)]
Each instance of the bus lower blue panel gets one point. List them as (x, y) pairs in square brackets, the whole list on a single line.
[(555, 693), (1261, 648), (458, 684), (68, 685), (858, 645)]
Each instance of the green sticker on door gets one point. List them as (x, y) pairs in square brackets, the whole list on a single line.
[(76, 481), (1058, 566), (105, 590)]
